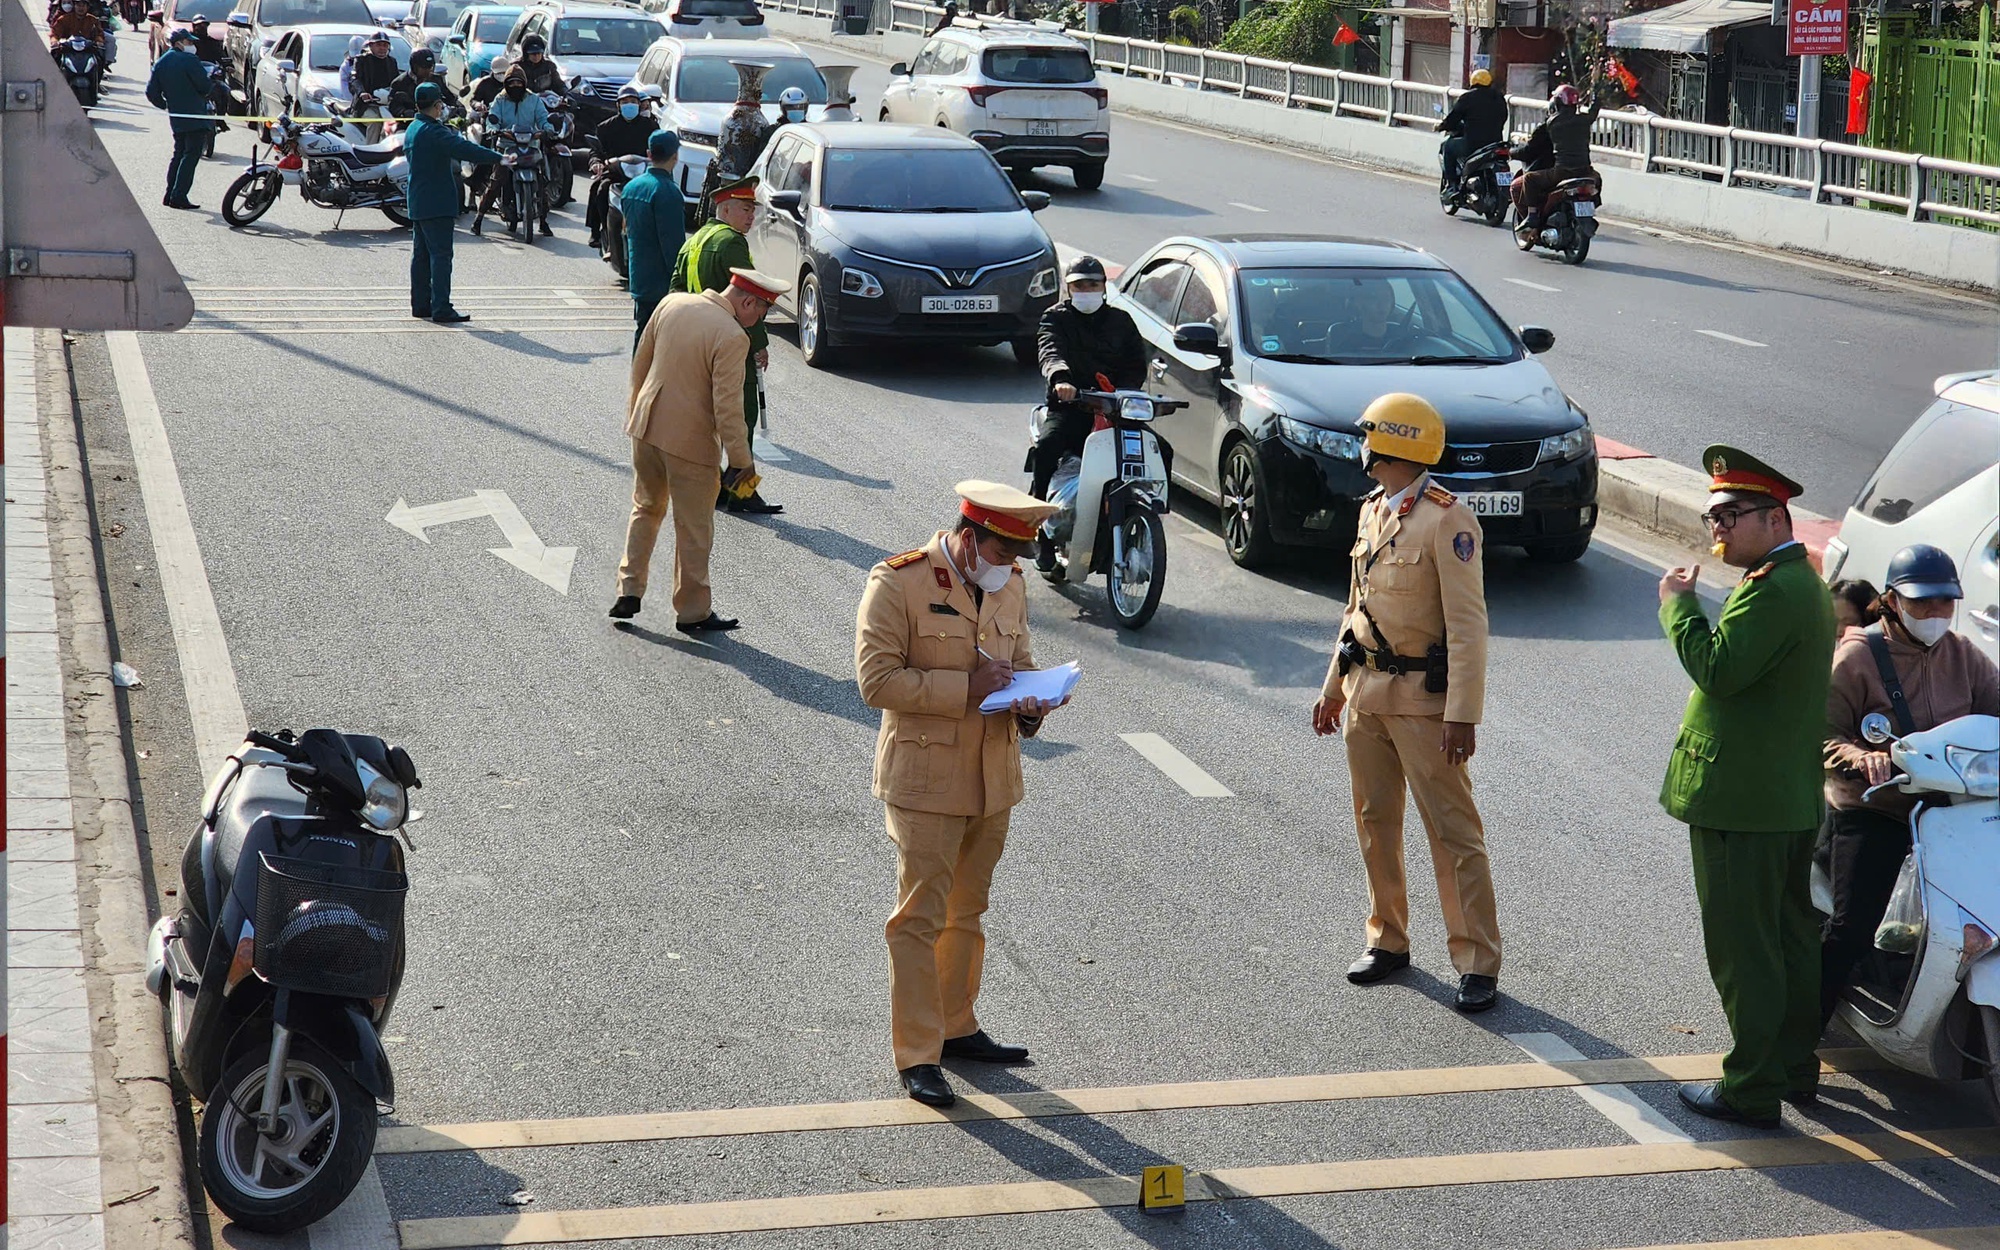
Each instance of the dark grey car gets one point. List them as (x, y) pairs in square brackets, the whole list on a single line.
[(900, 232)]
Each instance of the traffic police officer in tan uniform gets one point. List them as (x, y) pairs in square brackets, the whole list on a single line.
[(939, 629), (1410, 675)]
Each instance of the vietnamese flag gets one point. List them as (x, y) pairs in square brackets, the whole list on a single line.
[(1858, 84), (1345, 35)]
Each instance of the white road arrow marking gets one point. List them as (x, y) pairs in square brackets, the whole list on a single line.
[(550, 566)]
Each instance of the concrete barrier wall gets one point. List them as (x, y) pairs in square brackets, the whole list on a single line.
[(1850, 236)]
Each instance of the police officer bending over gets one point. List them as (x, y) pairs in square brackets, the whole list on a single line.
[(1411, 677), (1079, 339)]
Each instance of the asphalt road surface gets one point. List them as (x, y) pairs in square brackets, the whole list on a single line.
[(649, 874)]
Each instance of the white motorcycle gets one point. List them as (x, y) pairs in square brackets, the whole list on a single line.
[(1111, 501), (328, 169), (1928, 997)]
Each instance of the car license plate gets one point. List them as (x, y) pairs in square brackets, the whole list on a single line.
[(961, 303), (1042, 130), (1584, 208), (1493, 502), (1504, 178)]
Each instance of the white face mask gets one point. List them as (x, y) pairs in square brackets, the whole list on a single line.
[(1928, 630), (1087, 302), (990, 578)]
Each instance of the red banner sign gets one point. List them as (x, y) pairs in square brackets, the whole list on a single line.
[(1815, 27)]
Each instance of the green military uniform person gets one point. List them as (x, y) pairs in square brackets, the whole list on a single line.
[(705, 262), (1745, 775)]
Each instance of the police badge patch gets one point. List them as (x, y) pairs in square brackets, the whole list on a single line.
[(1461, 545)]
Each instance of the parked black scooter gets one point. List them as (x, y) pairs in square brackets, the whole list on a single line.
[(1483, 179), (281, 968)]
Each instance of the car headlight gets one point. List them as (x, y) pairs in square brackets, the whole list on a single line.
[(690, 135), (1043, 283), (1567, 446), (1136, 408), (1979, 770), (1326, 442), (384, 802), (860, 282)]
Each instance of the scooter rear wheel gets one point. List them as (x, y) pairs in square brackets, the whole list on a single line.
[(327, 1136)]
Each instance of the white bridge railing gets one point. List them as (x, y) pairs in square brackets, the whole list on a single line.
[(1922, 188)]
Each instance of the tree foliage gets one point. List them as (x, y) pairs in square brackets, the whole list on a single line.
[(1286, 30)]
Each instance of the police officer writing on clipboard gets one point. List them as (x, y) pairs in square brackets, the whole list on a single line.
[(940, 628), (1410, 675)]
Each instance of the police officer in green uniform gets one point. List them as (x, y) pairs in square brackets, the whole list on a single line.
[(1745, 775), (705, 263)]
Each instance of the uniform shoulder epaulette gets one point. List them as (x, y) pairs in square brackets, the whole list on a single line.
[(1439, 495), (1373, 494), (1760, 572), (905, 560)]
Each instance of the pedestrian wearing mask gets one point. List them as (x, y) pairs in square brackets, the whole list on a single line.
[(624, 133), (1910, 667), (179, 84), (1410, 676), (1078, 339), (655, 228), (1745, 776), (686, 418), (939, 629), (431, 147)]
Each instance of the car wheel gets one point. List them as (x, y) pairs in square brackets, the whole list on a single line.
[(1088, 177), (1559, 551), (812, 324), (1246, 527), (884, 116)]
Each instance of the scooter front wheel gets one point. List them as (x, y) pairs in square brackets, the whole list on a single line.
[(1134, 585), (325, 1137), (251, 196)]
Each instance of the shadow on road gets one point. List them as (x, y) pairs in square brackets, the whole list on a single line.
[(804, 465), (794, 683), (829, 544)]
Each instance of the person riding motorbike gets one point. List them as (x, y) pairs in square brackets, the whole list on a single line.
[(519, 109), (375, 71), (357, 47), (1940, 676), (210, 51), (1558, 150), (487, 89), (540, 71), (207, 48), (624, 133), (1476, 121), (423, 69), (73, 19), (791, 105), (1079, 338)]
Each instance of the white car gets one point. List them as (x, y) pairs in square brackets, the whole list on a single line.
[(318, 52), (700, 85), (1024, 91), (711, 19), (1940, 484)]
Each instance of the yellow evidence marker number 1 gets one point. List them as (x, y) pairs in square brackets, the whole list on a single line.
[(1163, 1189)]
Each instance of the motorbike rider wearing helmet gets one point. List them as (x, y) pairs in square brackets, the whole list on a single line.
[(540, 71), (489, 87), (623, 133), (375, 71), (357, 47), (423, 69), (791, 106), (1476, 121), (518, 109), (1079, 338), (207, 48), (73, 19), (1943, 675), (1557, 151)]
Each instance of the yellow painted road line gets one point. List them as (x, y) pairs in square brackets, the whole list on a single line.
[(1867, 1239), (1044, 1104), (608, 327), (567, 317), (1034, 1197)]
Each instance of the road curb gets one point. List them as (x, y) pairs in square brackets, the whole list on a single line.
[(146, 1204), (1668, 499)]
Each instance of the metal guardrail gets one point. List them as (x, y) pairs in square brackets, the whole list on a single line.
[(1921, 187)]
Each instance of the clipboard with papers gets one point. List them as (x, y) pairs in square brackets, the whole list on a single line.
[(1050, 685)]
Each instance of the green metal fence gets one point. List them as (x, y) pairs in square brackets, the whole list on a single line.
[(1935, 95)]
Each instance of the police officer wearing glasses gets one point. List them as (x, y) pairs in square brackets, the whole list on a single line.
[(1745, 777)]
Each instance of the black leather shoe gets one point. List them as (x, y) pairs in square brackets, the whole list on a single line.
[(709, 624), (1803, 1097), (624, 608), (1375, 964), (451, 317), (982, 1049), (1476, 993), (1705, 1098), (425, 315), (927, 1085), (756, 506)]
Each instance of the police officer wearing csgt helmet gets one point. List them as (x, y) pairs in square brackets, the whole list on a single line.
[(1410, 676)]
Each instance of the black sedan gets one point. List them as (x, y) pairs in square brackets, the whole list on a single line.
[(902, 232), (1278, 342)]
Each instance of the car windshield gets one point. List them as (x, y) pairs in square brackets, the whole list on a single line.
[(891, 180), (1370, 317), (213, 10), (328, 51), (605, 36), (1052, 65), (712, 80), (494, 27), (314, 13), (444, 12), (718, 8)]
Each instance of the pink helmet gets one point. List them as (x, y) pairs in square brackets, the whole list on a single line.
[(1566, 94)]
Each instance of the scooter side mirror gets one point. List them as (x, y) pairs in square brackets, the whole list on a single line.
[(1537, 339), (1875, 728)]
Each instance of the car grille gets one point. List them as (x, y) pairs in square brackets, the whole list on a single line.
[(602, 88), (1489, 458)]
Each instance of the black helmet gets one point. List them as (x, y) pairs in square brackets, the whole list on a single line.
[(534, 43), (1084, 269), (424, 57), (1922, 571)]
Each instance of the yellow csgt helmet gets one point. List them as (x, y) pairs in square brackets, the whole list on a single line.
[(1404, 427)]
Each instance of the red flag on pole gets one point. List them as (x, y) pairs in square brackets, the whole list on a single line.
[(1345, 35), (1626, 78), (1858, 84)]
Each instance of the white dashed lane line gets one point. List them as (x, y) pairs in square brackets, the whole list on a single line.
[(1140, 178), (1631, 1114), (1248, 208), (1183, 771), (1731, 338), (1535, 286)]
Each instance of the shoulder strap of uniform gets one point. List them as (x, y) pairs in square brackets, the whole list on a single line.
[(1761, 572), (1439, 495), (906, 559)]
